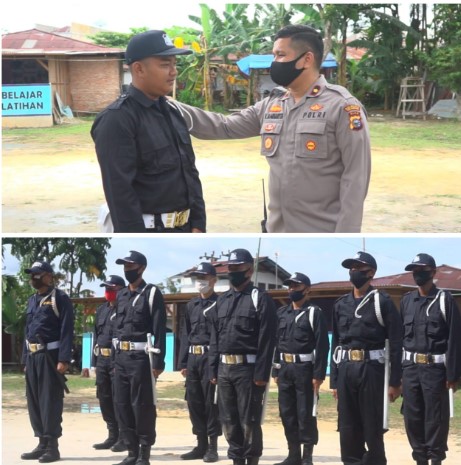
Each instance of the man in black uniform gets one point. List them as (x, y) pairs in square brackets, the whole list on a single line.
[(46, 354), (431, 361), (241, 351), (302, 351), (144, 149), (362, 321), (140, 311), (102, 360), (193, 362)]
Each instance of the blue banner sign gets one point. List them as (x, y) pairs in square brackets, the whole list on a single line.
[(26, 100)]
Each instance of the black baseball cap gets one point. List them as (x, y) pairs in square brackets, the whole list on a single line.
[(39, 267), (362, 258), (422, 259), (134, 257), (149, 44), (297, 278), (112, 281), (239, 256), (203, 269)]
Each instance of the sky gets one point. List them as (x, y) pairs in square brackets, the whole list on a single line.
[(318, 257), (107, 14)]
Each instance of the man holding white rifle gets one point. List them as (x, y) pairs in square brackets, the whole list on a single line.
[(431, 362), (302, 351), (362, 322)]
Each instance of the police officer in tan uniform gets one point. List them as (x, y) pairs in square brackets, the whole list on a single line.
[(314, 135)]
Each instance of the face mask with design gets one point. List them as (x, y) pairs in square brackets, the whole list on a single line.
[(132, 275), (421, 277), (284, 73), (202, 286), (237, 278), (110, 295), (358, 278)]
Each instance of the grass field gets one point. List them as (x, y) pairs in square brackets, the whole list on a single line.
[(414, 187), (172, 403)]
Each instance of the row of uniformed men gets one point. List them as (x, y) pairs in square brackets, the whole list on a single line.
[(237, 338)]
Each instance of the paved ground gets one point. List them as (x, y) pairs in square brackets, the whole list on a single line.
[(174, 437)]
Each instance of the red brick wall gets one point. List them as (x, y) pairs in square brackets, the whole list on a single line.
[(94, 82)]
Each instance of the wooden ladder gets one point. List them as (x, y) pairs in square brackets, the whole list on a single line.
[(412, 99)]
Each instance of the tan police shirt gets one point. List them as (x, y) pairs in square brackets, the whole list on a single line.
[(318, 150)]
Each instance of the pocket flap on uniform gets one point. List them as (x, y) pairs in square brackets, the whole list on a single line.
[(311, 127), (270, 127)]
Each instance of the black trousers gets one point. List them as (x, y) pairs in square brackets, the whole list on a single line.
[(240, 408), (296, 397), (134, 398), (426, 410), (45, 396), (360, 412), (203, 411), (105, 391)]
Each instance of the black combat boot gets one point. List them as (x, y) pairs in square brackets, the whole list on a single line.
[(119, 446), (109, 442), (130, 459), (307, 455), (436, 462), (238, 461), (144, 455), (294, 455), (252, 461), (37, 452), (199, 451), (422, 462), (52, 452), (211, 455)]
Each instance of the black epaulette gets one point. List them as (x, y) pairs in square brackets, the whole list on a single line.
[(342, 297), (278, 92), (117, 104)]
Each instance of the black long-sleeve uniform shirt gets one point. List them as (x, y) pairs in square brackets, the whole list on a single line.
[(433, 333), (296, 336), (365, 332), (240, 328), (133, 320), (196, 329), (147, 161), (42, 320), (103, 327)]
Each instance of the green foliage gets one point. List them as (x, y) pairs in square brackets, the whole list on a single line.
[(116, 39), (191, 97)]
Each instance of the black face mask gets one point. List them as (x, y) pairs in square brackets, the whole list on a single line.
[(422, 277), (296, 296), (132, 275), (284, 73), (237, 278), (37, 283), (358, 278)]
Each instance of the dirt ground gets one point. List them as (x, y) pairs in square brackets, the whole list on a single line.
[(174, 437), (56, 187)]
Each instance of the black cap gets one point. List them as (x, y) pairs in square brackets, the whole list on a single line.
[(362, 258), (112, 281), (203, 269), (151, 43), (134, 257), (422, 259), (39, 267), (239, 256), (297, 278)]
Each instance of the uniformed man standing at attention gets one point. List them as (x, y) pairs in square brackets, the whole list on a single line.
[(46, 354), (431, 361), (362, 321), (302, 352), (102, 360), (193, 363), (241, 351), (140, 311), (144, 149), (314, 136)]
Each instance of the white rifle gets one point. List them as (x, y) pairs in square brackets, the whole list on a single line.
[(386, 386), (450, 399), (151, 350)]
